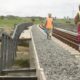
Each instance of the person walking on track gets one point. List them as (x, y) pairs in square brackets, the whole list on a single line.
[(77, 22), (49, 26)]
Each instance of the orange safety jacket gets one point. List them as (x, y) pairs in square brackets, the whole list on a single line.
[(77, 18), (49, 23)]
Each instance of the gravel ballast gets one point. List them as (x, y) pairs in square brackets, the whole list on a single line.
[(69, 27), (58, 63)]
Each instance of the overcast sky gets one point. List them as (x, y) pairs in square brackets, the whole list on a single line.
[(59, 8)]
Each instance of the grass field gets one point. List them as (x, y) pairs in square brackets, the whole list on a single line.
[(11, 21), (8, 22), (64, 21)]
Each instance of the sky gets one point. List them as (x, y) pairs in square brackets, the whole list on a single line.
[(58, 8)]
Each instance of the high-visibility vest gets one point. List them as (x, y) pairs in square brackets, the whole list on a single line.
[(78, 17), (49, 23)]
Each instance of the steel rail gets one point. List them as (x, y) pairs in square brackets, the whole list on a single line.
[(67, 37)]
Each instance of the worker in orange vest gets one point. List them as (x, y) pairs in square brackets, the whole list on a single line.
[(77, 22), (49, 26)]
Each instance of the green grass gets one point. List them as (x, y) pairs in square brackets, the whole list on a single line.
[(22, 63), (7, 22), (10, 22), (63, 21)]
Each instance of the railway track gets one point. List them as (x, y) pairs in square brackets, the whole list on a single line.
[(67, 37)]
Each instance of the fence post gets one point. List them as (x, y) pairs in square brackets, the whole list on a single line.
[(2, 55), (9, 46)]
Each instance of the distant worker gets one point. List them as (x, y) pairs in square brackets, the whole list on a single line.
[(49, 26), (77, 22)]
